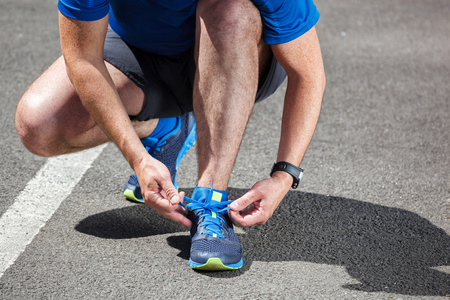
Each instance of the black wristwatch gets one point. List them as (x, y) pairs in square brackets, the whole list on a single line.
[(294, 171)]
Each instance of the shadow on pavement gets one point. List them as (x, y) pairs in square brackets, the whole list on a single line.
[(386, 249), (127, 223)]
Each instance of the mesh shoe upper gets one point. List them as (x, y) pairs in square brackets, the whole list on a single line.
[(212, 234)]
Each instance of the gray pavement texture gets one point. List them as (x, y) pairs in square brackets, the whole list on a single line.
[(370, 221)]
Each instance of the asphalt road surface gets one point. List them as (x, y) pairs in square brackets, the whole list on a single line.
[(370, 220)]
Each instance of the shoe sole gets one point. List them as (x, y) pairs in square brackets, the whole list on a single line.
[(129, 195), (188, 143), (215, 264)]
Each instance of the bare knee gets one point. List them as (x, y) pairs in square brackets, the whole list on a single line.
[(35, 127), (233, 20), (50, 115)]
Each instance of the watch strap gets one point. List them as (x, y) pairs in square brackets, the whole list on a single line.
[(294, 171)]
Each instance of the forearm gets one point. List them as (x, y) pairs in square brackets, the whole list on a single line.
[(302, 60), (100, 98), (300, 116), (82, 47)]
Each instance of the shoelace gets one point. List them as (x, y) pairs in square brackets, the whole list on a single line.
[(213, 225), (153, 144)]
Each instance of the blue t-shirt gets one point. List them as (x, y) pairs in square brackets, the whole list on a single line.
[(168, 27)]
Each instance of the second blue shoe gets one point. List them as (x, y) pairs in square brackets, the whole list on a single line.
[(169, 150)]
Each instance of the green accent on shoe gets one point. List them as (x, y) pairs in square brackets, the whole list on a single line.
[(215, 264), (131, 197)]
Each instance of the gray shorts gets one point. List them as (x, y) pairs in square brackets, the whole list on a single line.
[(167, 80)]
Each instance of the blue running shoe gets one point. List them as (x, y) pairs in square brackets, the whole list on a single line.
[(169, 150), (214, 245)]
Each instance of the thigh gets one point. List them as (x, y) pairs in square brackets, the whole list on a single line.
[(52, 102)]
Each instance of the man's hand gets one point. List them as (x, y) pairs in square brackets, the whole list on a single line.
[(159, 192), (265, 196)]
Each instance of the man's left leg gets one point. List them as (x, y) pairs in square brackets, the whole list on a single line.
[(230, 58)]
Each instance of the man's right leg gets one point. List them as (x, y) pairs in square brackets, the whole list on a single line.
[(51, 119), (231, 57)]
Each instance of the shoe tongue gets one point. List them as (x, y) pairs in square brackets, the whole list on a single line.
[(212, 225), (203, 194)]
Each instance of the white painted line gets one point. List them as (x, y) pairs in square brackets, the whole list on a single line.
[(239, 230), (39, 200)]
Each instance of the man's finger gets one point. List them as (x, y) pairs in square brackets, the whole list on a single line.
[(170, 191), (173, 212), (178, 215), (243, 202), (246, 218), (236, 218), (181, 194)]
